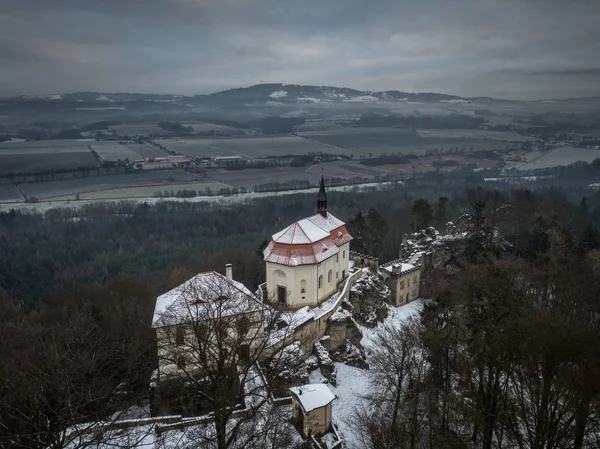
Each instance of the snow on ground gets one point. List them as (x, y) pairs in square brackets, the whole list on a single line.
[(353, 384), (278, 94)]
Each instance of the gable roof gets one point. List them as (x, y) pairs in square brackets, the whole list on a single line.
[(206, 296), (313, 396), (307, 241)]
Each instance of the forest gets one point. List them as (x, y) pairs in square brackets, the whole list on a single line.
[(503, 355)]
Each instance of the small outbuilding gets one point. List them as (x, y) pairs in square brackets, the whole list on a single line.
[(312, 408)]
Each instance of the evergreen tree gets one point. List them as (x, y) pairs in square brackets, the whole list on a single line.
[(588, 240), (441, 211), (377, 229), (422, 214)]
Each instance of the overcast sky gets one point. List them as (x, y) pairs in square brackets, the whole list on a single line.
[(524, 49)]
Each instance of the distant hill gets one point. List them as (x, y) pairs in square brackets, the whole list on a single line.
[(268, 94), (258, 94)]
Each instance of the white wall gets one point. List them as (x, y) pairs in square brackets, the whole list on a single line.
[(291, 278)]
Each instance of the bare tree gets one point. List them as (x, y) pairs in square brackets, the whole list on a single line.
[(212, 333), (58, 383)]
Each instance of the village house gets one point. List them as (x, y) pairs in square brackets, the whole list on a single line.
[(311, 408), (306, 261)]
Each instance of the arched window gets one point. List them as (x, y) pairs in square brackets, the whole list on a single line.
[(302, 286), (321, 281), (278, 274), (329, 275)]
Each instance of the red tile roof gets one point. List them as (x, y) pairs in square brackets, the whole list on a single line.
[(307, 241)]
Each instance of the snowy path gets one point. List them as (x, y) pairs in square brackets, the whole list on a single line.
[(353, 384)]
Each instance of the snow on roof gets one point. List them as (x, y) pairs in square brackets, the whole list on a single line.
[(313, 396), (301, 232), (307, 241), (327, 223), (414, 258), (400, 267), (206, 296)]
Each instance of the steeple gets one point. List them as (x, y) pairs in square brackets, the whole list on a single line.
[(322, 199)]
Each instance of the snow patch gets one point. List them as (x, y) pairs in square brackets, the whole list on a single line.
[(278, 94)]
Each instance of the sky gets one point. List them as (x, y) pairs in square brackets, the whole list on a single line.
[(520, 49)]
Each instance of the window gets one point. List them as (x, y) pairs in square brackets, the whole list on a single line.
[(344, 254), (401, 285), (414, 279), (244, 352), (321, 281), (179, 336), (337, 258), (343, 273), (329, 276), (181, 362), (302, 286), (243, 326), (223, 332), (337, 274)]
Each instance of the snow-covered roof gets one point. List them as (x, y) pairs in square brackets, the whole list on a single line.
[(313, 396), (401, 268), (301, 232), (206, 296), (307, 241)]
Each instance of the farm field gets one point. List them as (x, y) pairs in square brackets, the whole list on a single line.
[(561, 156), (9, 193), (41, 146), (92, 183), (147, 150), (113, 151), (138, 129), (144, 191), (46, 161), (250, 147), (251, 177), (206, 127), (386, 140), (509, 136)]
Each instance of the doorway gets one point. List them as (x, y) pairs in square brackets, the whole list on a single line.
[(281, 294)]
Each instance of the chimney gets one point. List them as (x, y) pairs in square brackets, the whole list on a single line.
[(229, 271)]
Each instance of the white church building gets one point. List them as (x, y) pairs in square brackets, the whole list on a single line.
[(307, 260)]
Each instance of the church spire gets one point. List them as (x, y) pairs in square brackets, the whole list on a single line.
[(322, 199)]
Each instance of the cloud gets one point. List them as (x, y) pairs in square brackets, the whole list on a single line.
[(513, 48)]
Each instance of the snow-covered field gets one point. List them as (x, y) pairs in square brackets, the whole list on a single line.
[(43, 206), (562, 156), (353, 384)]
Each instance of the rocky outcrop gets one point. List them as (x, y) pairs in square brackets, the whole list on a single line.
[(325, 363), (368, 296)]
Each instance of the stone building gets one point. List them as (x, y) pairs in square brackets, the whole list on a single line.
[(403, 279), (311, 408), (207, 311), (306, 261)]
